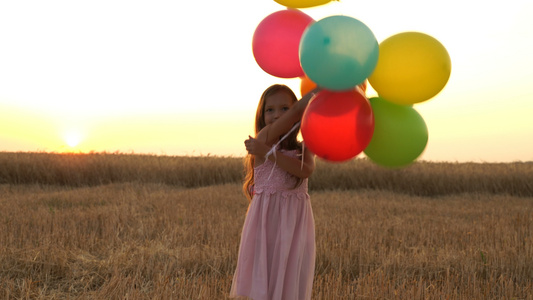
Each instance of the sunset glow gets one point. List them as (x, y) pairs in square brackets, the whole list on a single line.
[(179, 78)]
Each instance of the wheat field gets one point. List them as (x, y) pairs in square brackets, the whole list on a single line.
[(125, 226)]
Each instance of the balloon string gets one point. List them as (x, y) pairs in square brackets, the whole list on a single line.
[(302, 160), (272, 150)]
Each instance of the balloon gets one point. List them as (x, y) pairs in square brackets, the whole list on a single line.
[(400, 134), (276, 41), (412, 67), (302, 3), (337, 126), (338, 52), (306, 85)]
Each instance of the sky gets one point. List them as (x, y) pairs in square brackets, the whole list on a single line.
[(179, 77)]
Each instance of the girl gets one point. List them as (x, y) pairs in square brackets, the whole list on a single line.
[(277, 250)]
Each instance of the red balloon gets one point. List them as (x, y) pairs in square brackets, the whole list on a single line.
[(276, 42), (337, 126)]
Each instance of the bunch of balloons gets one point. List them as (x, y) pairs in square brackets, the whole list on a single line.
[(340, 54)]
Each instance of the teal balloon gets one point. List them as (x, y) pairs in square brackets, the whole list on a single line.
[(338, 52), (400, 134)]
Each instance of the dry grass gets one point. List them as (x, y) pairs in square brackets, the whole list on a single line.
[(393, 246), (422, 178), (142, 240), (103, 168), (153, 239)]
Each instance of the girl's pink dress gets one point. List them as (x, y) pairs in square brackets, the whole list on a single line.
[(277, 250)]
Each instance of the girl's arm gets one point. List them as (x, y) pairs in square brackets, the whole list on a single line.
[(271, 133), (290, 164), (293, 165)]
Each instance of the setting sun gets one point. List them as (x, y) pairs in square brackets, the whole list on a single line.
[(72, 138)]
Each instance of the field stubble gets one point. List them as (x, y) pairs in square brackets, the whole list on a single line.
[(107, 238)]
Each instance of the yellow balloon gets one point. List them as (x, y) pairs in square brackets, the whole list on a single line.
[(301, 3), (412, 67)]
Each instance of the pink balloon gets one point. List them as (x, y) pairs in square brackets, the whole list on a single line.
[(337, 126), (276, 42)]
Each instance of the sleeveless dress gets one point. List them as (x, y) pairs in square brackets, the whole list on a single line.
[(277, 250)]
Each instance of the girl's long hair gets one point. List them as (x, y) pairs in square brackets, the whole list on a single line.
[(290, 143)]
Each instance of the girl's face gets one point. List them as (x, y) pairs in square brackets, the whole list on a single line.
[(276, 105)]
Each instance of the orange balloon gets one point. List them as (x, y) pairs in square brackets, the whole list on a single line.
[(306, 85)]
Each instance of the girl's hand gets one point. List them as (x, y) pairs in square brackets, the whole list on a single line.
[(255, 147), (312, 92), (307, 97)]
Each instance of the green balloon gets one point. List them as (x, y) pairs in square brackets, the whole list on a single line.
[(400, 134)]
